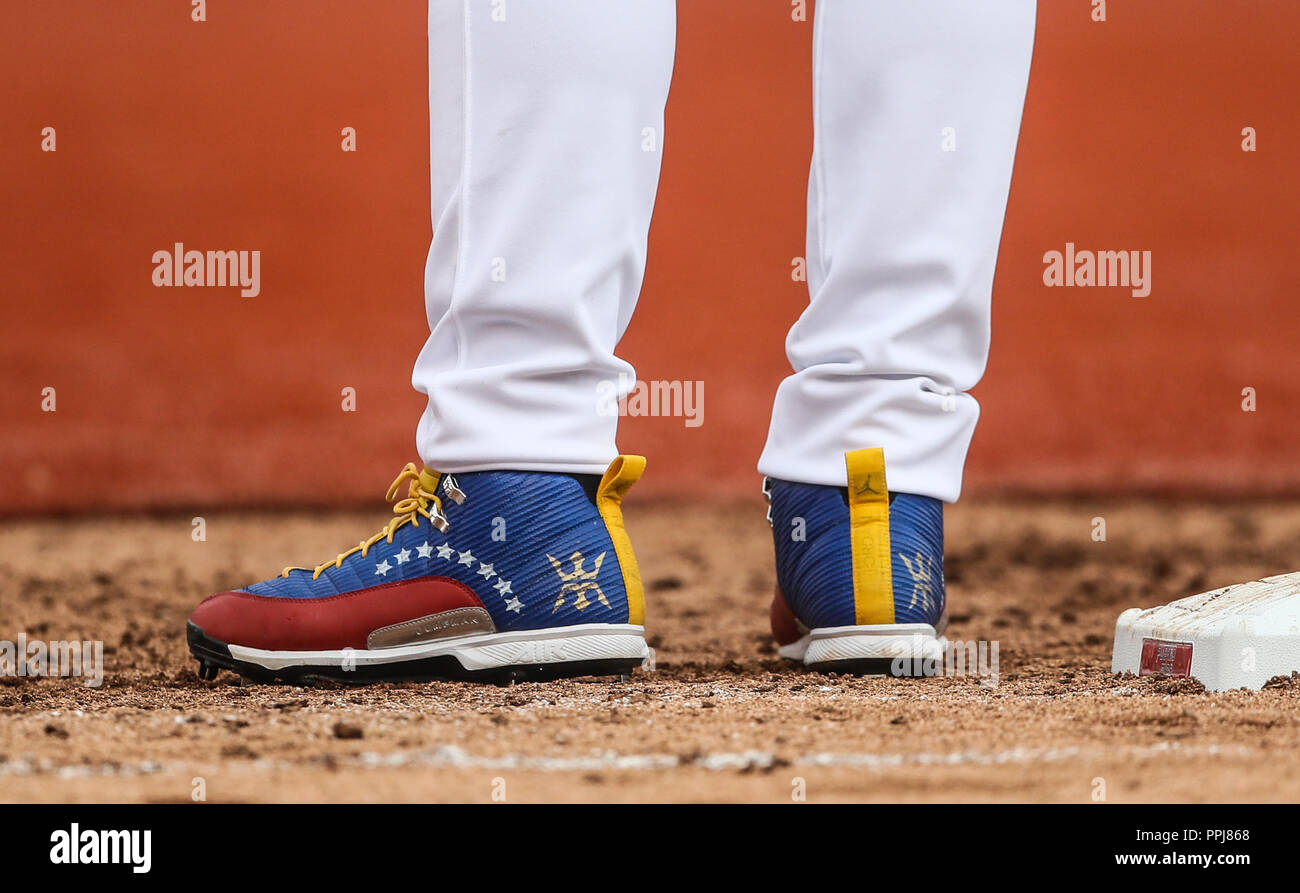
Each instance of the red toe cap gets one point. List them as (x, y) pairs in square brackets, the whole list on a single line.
[(326, 624)]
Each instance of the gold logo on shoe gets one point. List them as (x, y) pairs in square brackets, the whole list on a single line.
[(579, 582), (922, 581)]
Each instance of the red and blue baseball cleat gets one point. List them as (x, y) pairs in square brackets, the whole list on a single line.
[(859, 573), (493, 576)]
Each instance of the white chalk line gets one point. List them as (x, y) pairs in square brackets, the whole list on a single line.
[(453, 757)]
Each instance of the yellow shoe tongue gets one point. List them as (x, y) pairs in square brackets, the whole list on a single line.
[(429, 479)]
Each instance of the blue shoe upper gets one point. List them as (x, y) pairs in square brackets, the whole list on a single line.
[(814, 566), (532, 546)]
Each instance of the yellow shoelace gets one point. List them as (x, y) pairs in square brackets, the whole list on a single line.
[(407, 511)]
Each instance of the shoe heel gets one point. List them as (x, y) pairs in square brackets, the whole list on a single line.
[(896, 649)]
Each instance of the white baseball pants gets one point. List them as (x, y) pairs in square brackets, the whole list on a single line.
[(546, 134)]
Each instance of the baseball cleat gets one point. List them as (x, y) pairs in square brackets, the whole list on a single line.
[(495, 576), (859, 573)]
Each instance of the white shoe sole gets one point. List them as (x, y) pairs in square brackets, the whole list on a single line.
[(885, 649), (583, 650)]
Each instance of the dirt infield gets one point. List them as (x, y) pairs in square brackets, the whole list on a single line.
[(720, 719)]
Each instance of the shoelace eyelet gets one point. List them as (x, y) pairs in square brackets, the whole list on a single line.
[(453, 490)]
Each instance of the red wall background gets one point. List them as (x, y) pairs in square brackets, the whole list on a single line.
[(225, 134)]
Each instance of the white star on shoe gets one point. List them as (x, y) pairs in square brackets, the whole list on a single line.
[(485, 570), (383, 567), (514, 605), (444, 551), (426, 550), (404, 556), (503, 587), (467, 558)]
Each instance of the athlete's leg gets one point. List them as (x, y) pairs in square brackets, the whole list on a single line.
[(917, 109), (546, 130), (916, 112)]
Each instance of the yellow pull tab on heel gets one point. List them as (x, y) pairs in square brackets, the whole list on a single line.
[(873, 582), (622, 473)]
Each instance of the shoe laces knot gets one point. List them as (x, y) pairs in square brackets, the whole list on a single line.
[(419, 501)]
